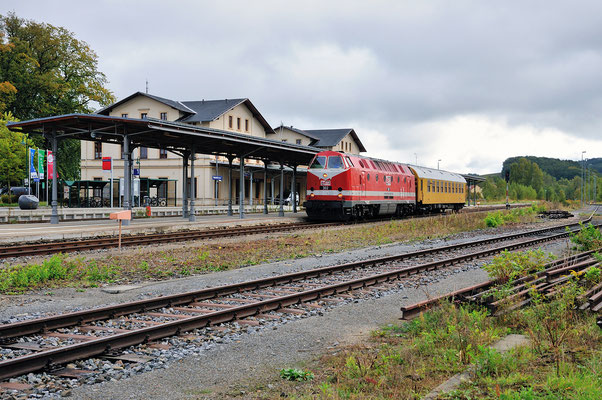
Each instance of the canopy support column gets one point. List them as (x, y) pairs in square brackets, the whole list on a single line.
[(127, 175), (294, 189), (281, 209), (185, 185), (192, 216), (230, 158), (265, 187), (54, 218), (251, 188), (241, 189)]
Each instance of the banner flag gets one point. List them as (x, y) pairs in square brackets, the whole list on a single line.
[(41, 154), (33, 174), (50, 162)]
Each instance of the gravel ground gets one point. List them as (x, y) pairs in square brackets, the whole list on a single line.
[(250, 357)]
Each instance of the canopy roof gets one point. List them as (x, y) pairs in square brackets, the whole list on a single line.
[(173, 136)]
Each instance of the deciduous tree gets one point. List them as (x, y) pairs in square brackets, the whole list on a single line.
[(45, 71)]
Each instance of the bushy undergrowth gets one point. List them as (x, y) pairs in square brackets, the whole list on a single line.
[(54, 271), (497, 218), (587, 238), (509, 266)]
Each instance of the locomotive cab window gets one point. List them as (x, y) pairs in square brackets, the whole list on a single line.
[(349, 162), (335, 162), (319, 163)]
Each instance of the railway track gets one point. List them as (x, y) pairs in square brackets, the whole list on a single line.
[(37, 249), (95, 332)]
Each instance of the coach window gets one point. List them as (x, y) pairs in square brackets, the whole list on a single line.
[(368, 176), (319, 162)]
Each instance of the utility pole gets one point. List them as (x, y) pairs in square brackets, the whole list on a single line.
[(582, 178)]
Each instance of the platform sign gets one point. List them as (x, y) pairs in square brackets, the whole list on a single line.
[(106, 163), (218, 178), (136, 171)]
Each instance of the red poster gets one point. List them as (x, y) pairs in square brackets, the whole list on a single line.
[(50, 162), (106, 163)]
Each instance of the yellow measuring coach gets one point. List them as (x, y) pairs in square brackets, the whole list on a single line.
[(437, 189)]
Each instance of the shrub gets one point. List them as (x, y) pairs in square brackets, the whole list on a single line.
[(509, 266), (588, 238)]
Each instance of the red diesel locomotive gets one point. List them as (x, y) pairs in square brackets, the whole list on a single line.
[(342, 186)]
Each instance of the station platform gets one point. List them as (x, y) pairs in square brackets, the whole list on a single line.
[(42, 214), (69, 230)]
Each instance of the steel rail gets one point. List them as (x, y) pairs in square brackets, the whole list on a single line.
[(71, 319), (48, 358), (477, 292), (102, 243), (110, 242)]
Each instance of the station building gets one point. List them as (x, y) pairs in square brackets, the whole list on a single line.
[(211, 174)]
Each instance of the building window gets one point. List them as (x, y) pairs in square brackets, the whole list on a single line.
[(285, 140), (143, 115), (162, 153), (124, 115), (230, 121), (298, 141), (97, 150), (143, 152), (164, 116), (238, 123), (246, 125), (121, 151)]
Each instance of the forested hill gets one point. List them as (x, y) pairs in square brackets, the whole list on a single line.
[(557, 168)]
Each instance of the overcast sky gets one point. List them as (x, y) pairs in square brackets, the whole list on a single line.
[(469, 83)]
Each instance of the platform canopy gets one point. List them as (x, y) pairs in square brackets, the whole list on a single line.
[(173, 136)]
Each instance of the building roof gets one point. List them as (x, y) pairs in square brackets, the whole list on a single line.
[(299, 131), (197, 111), (332, 137), (173, 104)]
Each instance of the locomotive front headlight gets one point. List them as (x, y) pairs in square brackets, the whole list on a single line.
[(340, 195), (311, 195), (325, 175)]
